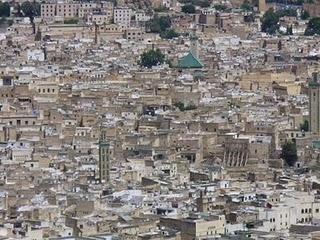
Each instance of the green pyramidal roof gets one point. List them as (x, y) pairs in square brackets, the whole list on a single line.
[(189, 61)]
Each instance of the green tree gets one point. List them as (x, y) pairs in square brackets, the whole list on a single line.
[(313, 27), (151, 58), (289, 153), (188, 8), (246, 6), (304, 126), (169, 34), (269, 21), (4, 9), (159, 24), (31, 9), (220, 7), (305, 15), (287, 12), (165, 22), (153, 25)]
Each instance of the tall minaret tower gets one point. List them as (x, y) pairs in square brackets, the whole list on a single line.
[(96, 34), (194, 48), (314, 104), (104, 158), (262, 6)]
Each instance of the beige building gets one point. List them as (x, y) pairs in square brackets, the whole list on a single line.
[(134, 34), (100, 18), (265, 80), (48, 10), (197, 228), (59, 9), (74, 9)]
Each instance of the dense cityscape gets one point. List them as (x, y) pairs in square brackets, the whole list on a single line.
[(160, 119)]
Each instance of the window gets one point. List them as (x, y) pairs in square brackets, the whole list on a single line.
[(317, 210), (302, 211)]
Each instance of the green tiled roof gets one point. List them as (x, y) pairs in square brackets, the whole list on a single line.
[(189, 61), (314, 84), (316, 144)]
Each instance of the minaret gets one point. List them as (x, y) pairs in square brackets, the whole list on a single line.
[(314, 104), (104, 158), (262, 6), (194, 44), (38, 35), (96, 34), (44, 49)]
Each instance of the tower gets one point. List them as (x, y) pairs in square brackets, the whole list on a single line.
[(104, 158), (314, 104), (194, 44), (96, 34), (262, 6), (38, 35)]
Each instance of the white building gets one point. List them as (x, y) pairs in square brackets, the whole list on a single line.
[(140, 16), (122, 16), (101, 18), (35, 55), (291, 208)]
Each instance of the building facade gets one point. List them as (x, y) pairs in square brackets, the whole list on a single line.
[(122, 16)]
